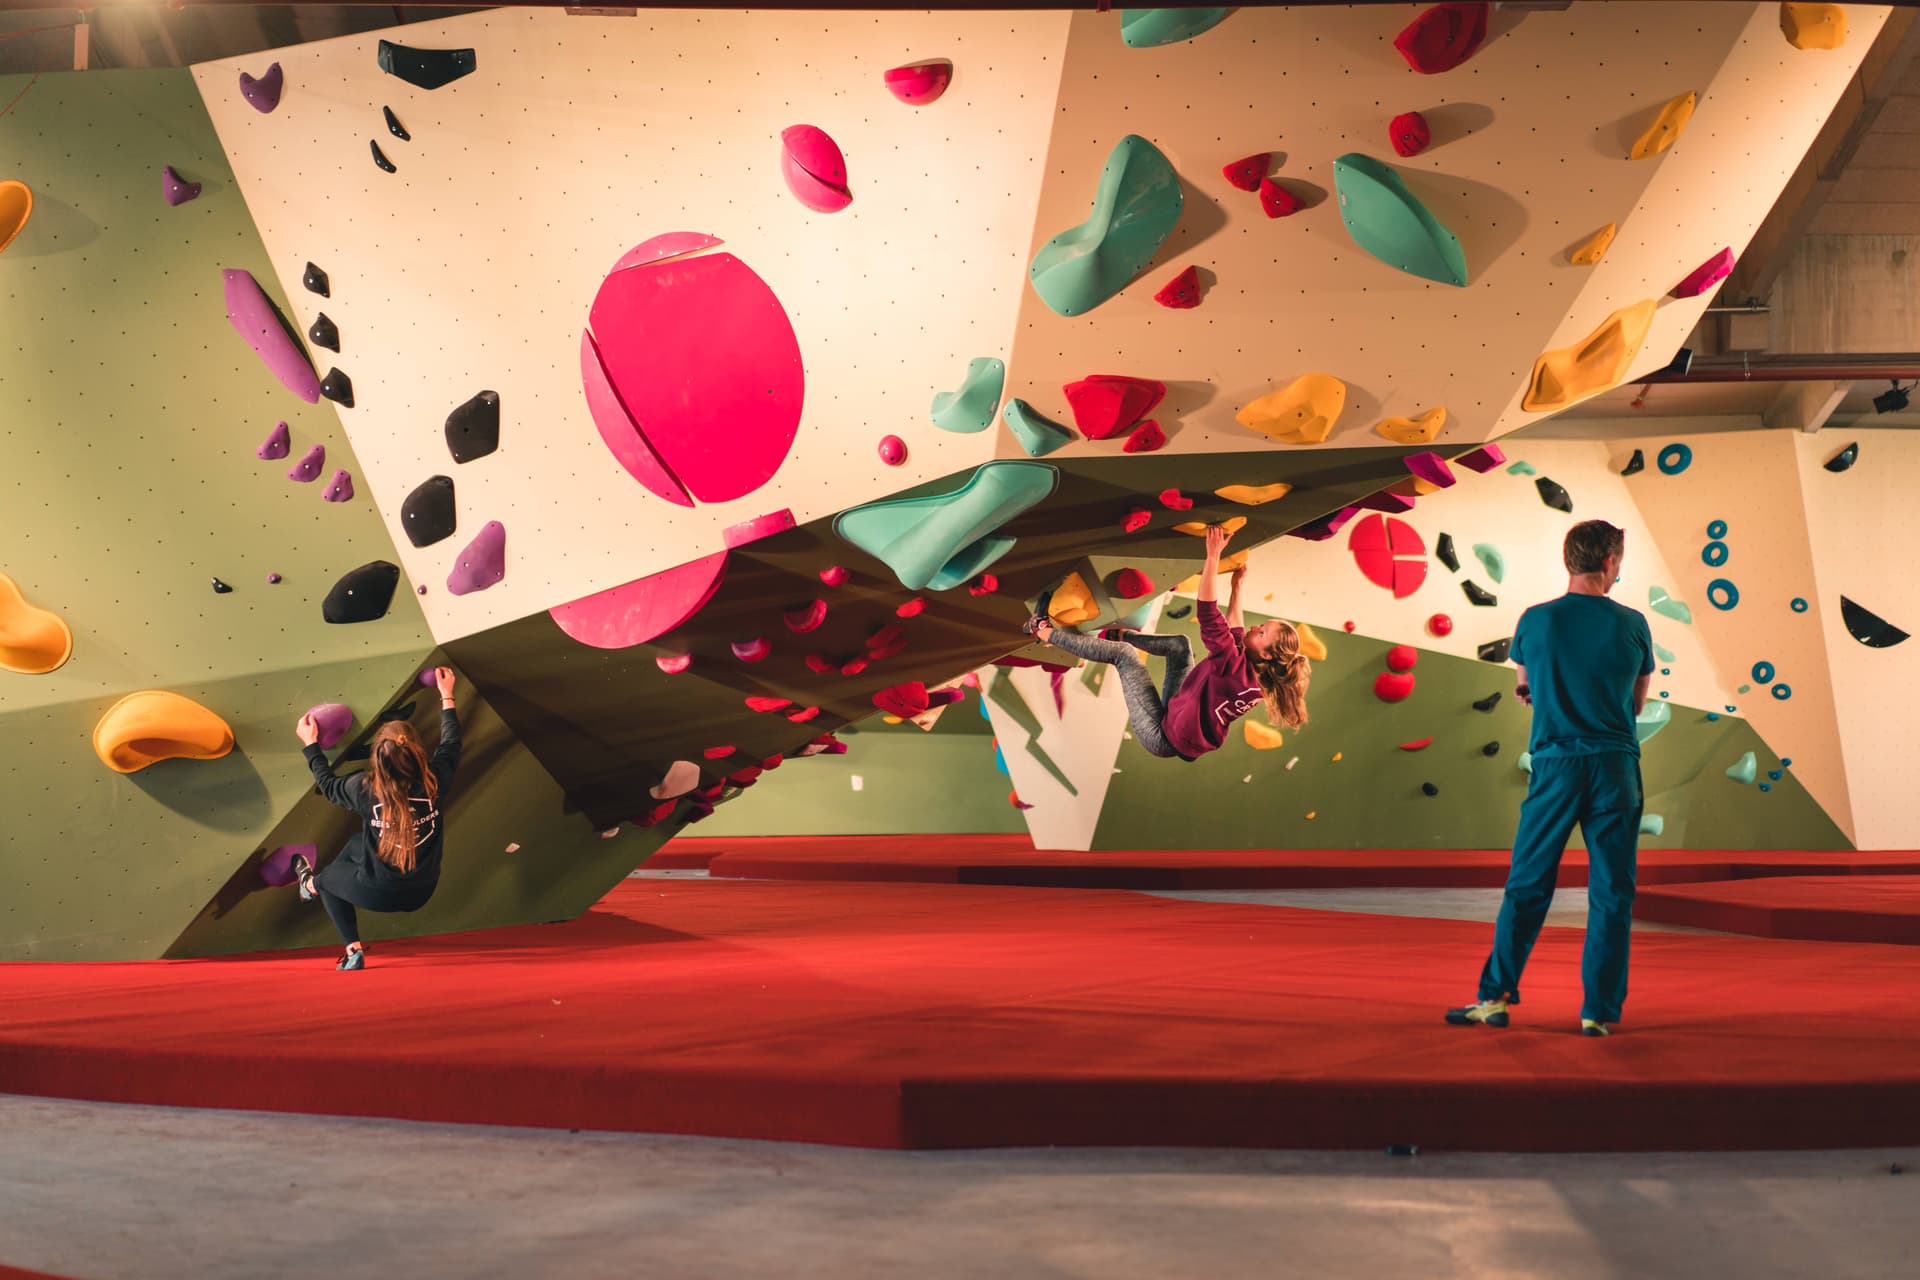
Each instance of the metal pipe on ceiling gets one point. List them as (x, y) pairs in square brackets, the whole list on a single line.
[(1897, 366)]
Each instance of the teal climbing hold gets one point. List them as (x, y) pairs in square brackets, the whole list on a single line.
[(1526, 763), (944, 540), (1655, 717), (1134, 211), (1521, 468), (1147, 28), (1491, 560), (1744, 770), (1745, 688), (1652, 824), (1662, 652), (1389, 222), (1667, 607), (1038, 434), (971, 408)]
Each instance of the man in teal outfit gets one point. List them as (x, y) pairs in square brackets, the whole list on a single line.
[(1583, 663)]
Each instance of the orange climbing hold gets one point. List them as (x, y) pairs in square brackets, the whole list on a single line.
[(1814, 26), (1072, 602), (1666, 127), (154, 725), (1594, 247), (1420, 430), (33, 641), (1595, 363), (1303, 412), (16, 206), (1259, 735), (1312, 647), (1253, 495), (1198, 528)]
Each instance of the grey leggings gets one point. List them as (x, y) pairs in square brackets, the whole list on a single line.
[(1146, 708)]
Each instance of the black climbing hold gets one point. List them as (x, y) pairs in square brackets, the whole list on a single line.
[(1444, 552), (380, 157), (362, 594), (1553, 495), (316, 281), (1478, 594), (1180, 611), (428, 513), (221, 588), (394, 126), (473, 429), (426, 68), (1492, 748), (1402, 1149), (324, 333), (1635, 465), (1489, 702), (338, 387), (1868, 627), (1426, 788), (1495, 650), (1845, 458)]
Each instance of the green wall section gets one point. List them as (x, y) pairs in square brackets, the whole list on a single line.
[(1239, 798), (127, 481)]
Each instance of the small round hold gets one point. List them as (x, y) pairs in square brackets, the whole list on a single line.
[(1714, 554), (1782, 692), (1717, 529), (1713, 715), (1491, 749), (1797, 605), (893, 450), (1775, 774), (421, 589), (1666, 671), (1439, 625), (1766, 786), (1763, 673), (1722, 594), (1786, 762), (1427, 788), (273, 578), (1348, 626)]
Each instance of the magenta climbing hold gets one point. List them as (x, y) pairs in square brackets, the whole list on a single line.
[(755, 650), (919, 83), (263, 93), (807, 617), (1441, 38), (278, 444), (1394, 504), (735, 536), (815, 170), (1131, 584), (1432, 468), (764, 704), (834, 575), (273, 579), (1483, 459), (673, 663), (893, 450), (904, 700), (175, 189), (339, 489), (1705, 276), (636, 612), (1107, 404), (621, 434), (276, 868), (255, 318), (1409, 133), (308, 469), (670, 244), (482, 563), (332, 719)]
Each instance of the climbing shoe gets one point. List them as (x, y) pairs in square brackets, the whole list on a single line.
[(303, 876), (355, 958), (1039, 618), (1487, 1013), (1588, 1027)]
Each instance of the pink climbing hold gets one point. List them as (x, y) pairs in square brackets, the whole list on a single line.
[(815, 170), (807, 617), (1145, 438), (670, 244), (920, 83), (672, 663), (1440, 625), (1483, 459), (1409, 133), (332, 719), (893, 450), (1393, 686), (1402, 657), (1107, 404), (904, 700), (308, 469), (718, 753), (984, 585), (276, 868), (273, 578), (1131, 584), (1174, 500), (800, 715), (339, 489), (636, 612), (912, 608), (1443, 37), (735, 536), (1278, 202), (623, 438), (1136, 520), (755, 650), (255, 318), (175, 189), (820, 664), (1432, 468), (834, 575), (1706, 275), (1418, 744), (263, 93), (482, 563), (278, 444), (1388, 501), (762, 703)]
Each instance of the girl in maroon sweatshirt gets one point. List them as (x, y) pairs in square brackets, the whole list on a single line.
[(1244, 667)]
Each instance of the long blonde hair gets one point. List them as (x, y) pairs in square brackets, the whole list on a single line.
[(1283, 676), (399, 766)]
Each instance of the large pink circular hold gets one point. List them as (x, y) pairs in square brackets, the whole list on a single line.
[(919, 83), (893, 450), (635, 612), (815, 171)]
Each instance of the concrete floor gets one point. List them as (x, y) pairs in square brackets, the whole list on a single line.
[(106, 1192)]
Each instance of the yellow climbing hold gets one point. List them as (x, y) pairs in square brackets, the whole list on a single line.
[(1253, 495), (16, 206), (1594, 247), (1191, 583), (1302, 413), (886, 719), (1311, 813), (1420, 430), (1311, 645), (1072, 603), (1336, 757), (1666, 127), (33, 641), (1598, 361), (1261, 737), (1814, 26), (1198, 528), (153, 725)]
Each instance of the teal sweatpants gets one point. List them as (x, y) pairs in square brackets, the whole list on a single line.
[(1602, 794)]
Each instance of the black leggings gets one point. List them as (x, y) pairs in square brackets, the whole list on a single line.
[(340, 911)]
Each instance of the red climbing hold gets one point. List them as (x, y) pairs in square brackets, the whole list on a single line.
[(807, 617), (1440, 625), (1146, 438), (1174, 500), (1381, 549), (800, 715), (1392, 686), (1402, 657), (1409, 133), (904, 700), (718, 753), (1443, 37), (886, 651), (833, 575), (1417, 744), (1131, 584), (1182, 293), (1278, 202), (771, 762), (884, 636), (1348, 626), (1107, 404), (673, 663), (759, 702), (820, 664), (984, 585), (754, 650), (853, 666), (912, 608), (745, 777), (1136, 520), (1246, 174)]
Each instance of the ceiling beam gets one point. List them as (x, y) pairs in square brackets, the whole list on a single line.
[(1805, 406)]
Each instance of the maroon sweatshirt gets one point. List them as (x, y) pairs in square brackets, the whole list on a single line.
[(1218, 690)]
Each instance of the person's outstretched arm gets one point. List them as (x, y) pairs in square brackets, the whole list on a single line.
[(1213, 627), (446, 756), (1210, 571), (337, 790), (1234, 581)]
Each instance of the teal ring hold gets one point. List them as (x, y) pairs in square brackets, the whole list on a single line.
[(1718, 529), (1674, 459), (1763, 673), (1714, 554), (1722, 595), (1782, 691)]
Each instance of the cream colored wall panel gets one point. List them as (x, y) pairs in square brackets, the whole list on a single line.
[(1862, 527), (1528, 159), (1083, 741), (577, 138)]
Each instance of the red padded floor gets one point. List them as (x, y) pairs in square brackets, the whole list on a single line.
[(945, 1015), (1012, 860), (1860, 908)]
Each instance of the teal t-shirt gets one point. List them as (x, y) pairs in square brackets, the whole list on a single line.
[(1583, 655)]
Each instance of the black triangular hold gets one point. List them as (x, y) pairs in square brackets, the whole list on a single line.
[(1868, 627), (1496, 650), (394, 126), (316, 281), (1478, 594), (380, 157), (337, 387), (1845, 458), (362, 594), (426, 68), (1635, 465), (323, 333), (1179, 611), (220, 588), (1553, 495), (473, 429), (1444, 552), (1489, 702), (428, 514)]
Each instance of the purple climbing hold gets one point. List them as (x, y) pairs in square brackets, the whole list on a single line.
[(175, 188), (482, 563), (332, 719), (277, 445), (273, 578), (421, 589), (263, 95), (339, 489), (276, 868), (428, 679), (308, 469), (255, 318)]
